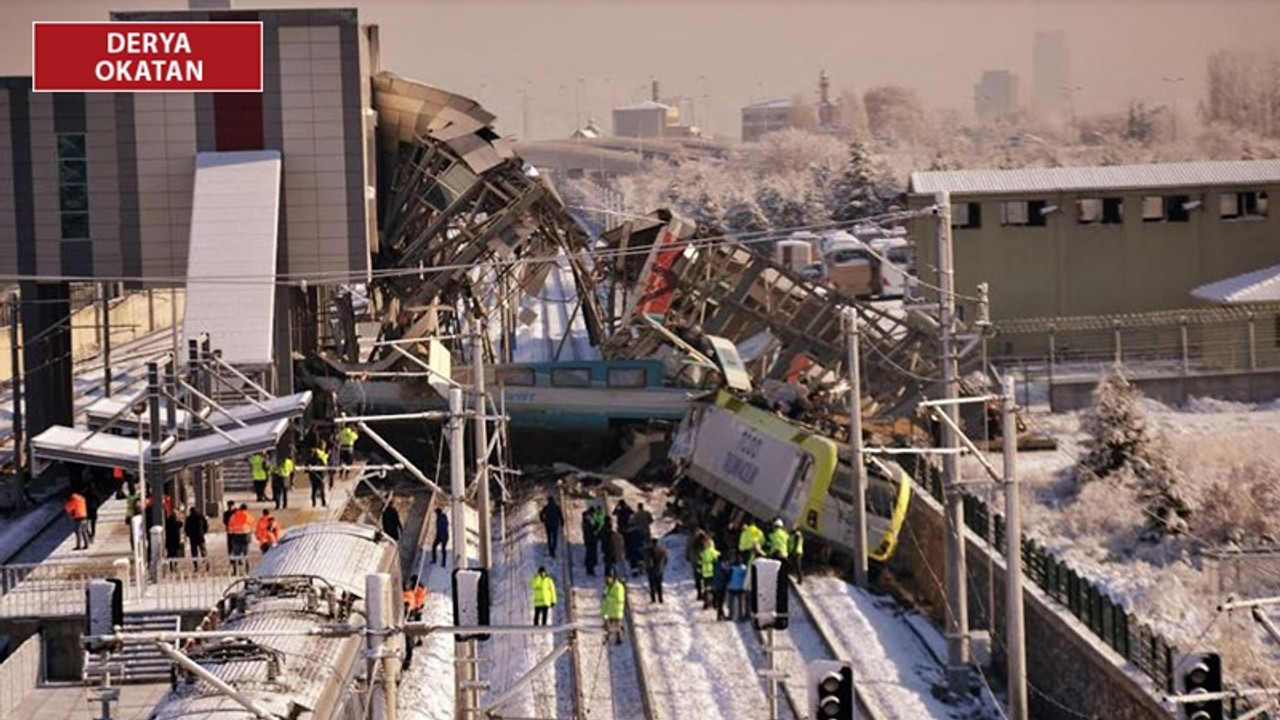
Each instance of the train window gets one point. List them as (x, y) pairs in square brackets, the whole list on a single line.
[(571, 377), (881, 493), (626, 377), (842, 483), (516, 377)]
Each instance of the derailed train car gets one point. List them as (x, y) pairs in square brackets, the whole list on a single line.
[(772, 468), (314, 577)]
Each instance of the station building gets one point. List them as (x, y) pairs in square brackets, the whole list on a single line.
[(100, 187)]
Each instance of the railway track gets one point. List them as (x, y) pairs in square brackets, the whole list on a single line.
[(805, 620), (610, 683)]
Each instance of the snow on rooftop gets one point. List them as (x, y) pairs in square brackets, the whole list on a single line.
[(1259, 286), (1114, 177)]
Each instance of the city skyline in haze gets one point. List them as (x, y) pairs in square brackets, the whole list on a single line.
[(560, 62)]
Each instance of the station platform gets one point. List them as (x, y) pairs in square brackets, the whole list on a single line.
[(55, 586)]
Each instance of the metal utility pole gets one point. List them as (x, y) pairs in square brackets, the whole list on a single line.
[(15, 372), (464, 653), (378, 592), (1015, 633), (771, 649), (958, 653), (853, 332), (106, 340), (481, 441)]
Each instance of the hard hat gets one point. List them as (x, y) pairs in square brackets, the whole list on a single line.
[(777, 522)]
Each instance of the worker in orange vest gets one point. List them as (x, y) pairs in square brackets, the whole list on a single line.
[(414, 597), (239, 528), (78, 508), (267, 532)]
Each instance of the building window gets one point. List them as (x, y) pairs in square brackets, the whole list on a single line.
[(966, 216), (1177, 208), (1107, 211), (1168, 208), (73, 186), (571, 377), (1113, 211), (1089, 211), (1019, 213), (1242, 205), (1152, 208)]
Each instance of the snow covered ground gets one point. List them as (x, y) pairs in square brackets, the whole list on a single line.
[(892, 649), (1232, 484)]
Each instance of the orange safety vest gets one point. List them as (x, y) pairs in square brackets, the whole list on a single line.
[(76, 507), (241, 522), (419, 597), (407, 596), (266, 531), (117, 473)]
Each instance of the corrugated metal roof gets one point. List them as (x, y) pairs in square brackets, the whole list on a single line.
[(235, 213), (1259, 286), (643, 105), (1113, 177), (767, 104)]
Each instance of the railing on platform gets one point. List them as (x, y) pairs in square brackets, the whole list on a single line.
[(54, 589)]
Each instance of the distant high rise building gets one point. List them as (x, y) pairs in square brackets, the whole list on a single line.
[(1051, 71), (995, 96)]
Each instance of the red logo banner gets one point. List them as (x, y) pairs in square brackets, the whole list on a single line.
[(147, 57)]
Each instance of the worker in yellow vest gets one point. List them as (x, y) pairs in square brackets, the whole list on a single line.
[(319, 459), (258, 471), (281, 482), (544, 596), (347, 437)]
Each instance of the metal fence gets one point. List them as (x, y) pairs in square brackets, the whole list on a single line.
[(1135, 640), (1169, 342), (56, 589)]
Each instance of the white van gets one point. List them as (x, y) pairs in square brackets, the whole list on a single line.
[(896, 274)]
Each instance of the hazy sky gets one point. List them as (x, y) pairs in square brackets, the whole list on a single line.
[(587, 54)]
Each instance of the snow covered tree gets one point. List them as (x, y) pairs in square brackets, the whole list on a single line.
[(708, 214), (856, 192), (1122, 445), (744, 216)]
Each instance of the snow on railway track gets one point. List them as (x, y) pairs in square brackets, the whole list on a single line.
[(895, 672), (611, 686)]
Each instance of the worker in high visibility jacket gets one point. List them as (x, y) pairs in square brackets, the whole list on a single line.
[(797, 554), (239, 528), (347, 437), (544, 596), (415, 598), (258, 470), (78, 508), (615, 602), (707, 571), (779, 541), (281, 482), (750, 541), (267, 532), (319, 458)]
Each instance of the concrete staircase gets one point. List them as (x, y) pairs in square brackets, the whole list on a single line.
[(140, 663)]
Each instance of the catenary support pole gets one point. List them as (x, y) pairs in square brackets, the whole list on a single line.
[(1015, 633), (853, 331), (958, 655), (15, 371), (481, 442), (463, 652), (771, 649), (378, 594), (106, 340)]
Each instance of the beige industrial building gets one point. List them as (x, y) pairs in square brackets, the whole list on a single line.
[(1087, 241)]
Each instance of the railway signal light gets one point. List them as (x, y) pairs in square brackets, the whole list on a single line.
[(1200, 674), (830, 690), (768, 599), (471, 601)]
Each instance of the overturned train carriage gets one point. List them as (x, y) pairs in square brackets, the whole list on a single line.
[(315, 577), (770, 467)]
